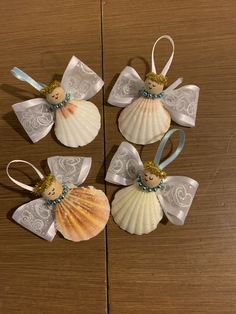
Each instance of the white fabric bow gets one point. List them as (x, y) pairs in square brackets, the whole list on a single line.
[(176, 197), (78, 80), (37, 216), (181, 103)]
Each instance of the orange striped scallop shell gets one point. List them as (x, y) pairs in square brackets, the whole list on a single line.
[(82, 214)]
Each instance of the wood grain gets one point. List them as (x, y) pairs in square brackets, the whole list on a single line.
[(36, 276), (189, 269), (173, 270)]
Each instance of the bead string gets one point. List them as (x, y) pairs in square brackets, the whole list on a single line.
[(146, 94), (145, 188), (61, 197)]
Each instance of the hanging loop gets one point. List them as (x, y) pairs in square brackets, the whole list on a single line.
[(168, 64), (22, 76), (162, 145), (22, 185)]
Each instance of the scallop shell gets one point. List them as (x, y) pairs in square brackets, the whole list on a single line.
[(82, 214), (77, 123), (144, 121), (136, 211)]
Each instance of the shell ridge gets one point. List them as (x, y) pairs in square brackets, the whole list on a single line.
[(78, 219), (64, 223), (62, 132), (144, 121), (122, 214)]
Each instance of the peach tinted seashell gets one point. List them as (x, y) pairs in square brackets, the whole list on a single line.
[(136, 211), (77, 123), (82, 214), (144, 121)]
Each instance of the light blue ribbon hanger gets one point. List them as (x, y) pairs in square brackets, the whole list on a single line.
[(22, 76), (162, 145)]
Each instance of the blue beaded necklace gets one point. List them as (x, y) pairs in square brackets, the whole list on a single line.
[(144, 93), (53, 107), (61, 197), (145, 188)]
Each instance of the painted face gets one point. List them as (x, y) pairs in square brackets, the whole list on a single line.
[(153, 87), (149, 179), (53, 191), (56, 96)]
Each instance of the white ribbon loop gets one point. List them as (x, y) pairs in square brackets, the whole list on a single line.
[(35, 118), (70, 169), (80, 81), (168, 64), (177, 197), (22, 185), (174, 85), (124, 165), (126, 88)]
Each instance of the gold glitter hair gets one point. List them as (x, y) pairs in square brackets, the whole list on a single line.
[(42, 185), (50, 87), (152, 167), (159, 78)]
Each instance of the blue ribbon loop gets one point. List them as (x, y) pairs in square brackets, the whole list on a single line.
[(22, 76), (162, 145)]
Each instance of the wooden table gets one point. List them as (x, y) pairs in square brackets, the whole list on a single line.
[(173, 270)]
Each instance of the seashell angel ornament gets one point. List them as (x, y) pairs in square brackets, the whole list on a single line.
[(139, 207), (77, 121), (78, 213), (148, 108)]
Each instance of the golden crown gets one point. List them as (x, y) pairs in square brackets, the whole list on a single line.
[(42, 185), (50, 87), (159, 78), (154, 169)]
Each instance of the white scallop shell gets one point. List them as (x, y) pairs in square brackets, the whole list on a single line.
[(136, 211), (144, 121), (77, 123)]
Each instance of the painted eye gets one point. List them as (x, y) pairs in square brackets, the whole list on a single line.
[(49, 193), (53, 190), (150, 178), (145, 174), (53, 96)]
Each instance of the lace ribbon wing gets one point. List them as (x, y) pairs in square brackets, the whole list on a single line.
[(37, 217), (124, 165), (126, 88), (177, 197), (35, 118), (182, 104), (80, 81), (70, 169)]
